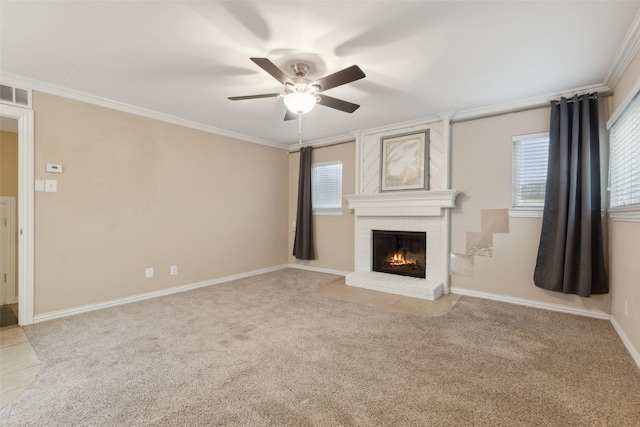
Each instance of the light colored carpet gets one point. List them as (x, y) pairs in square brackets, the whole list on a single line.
[(270, 350)]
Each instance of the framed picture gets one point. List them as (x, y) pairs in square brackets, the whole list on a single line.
[(405, 164)]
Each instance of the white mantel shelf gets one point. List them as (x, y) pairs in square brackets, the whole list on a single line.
[(402, 203)]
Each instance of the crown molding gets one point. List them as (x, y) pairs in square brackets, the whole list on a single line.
[(353, 135), (626, 52), (395, 126), (526, 104), (463, 115), (40, 86)]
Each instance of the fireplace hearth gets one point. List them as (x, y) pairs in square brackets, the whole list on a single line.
[(399, 252)]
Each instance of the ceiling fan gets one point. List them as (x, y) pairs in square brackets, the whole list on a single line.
[(301, 94)]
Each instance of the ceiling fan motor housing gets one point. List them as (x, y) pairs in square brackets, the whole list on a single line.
[(300, 69)]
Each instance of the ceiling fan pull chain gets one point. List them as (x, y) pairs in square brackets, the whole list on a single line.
[(299, 128)]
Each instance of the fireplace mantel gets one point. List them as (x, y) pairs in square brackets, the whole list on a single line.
[(402, 203)]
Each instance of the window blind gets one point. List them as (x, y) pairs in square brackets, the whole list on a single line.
[(326, 185), (624, 157), (530, 158)]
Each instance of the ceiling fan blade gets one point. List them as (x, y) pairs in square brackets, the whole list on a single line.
[(345, 76), (338, 104), (289, 115), (272, 69), (239, 98)]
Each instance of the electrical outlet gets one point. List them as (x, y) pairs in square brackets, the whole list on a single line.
[(149, 273), (173, 270)]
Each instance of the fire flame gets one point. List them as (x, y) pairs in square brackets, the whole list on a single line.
[(398, 259)]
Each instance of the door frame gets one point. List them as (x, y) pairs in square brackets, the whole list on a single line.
[(26, 148), (9, 294)]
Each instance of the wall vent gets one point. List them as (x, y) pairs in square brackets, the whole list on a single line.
[(15, 96)]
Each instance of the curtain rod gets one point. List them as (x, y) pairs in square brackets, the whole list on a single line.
[(297, 150), (522, 109)]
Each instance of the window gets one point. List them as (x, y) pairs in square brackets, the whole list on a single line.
[(530, 157), (624, 158), (326, 186)]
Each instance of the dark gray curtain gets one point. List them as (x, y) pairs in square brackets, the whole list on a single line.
[(303, 243), (571, 254)]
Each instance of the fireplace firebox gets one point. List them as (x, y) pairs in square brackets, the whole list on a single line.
[(400, 252)]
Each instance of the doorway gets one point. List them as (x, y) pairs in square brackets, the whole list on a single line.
[(8, 259), (25, 208)]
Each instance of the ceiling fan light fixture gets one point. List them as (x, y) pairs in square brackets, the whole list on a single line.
[(300, 102)]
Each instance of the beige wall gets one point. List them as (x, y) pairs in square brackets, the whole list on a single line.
[(334, 235), (9, 181), (137, 193), (481, 170), (625, 245)]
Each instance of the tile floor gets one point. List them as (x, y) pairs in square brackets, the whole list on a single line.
[(398, 303), (19, 365)]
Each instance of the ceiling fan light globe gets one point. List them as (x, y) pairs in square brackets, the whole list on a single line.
[(299, 103)]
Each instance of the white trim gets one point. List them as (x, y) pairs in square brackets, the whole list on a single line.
[(140, 297), (626, 52), (624, 103), (25, 209), (625, 213), (356, 135), (532, 212), (402, 203), (357, 180), (319, 269), (132, 109), (635, 354), (531, 303), (10, 201), (446, 225), (402, 125), (541, 101)]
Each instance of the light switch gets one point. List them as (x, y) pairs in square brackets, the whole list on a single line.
[(51, 186), (39, 184)]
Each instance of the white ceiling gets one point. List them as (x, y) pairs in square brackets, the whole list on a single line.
[(421, 58)]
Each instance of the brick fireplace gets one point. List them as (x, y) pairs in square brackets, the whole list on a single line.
[(421, 211), (416, 211)]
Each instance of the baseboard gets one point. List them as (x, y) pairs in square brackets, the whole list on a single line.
[(531, 303), (635, 354), (320, 270), (140, 297)]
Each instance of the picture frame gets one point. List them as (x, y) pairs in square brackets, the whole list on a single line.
[(404, 161)]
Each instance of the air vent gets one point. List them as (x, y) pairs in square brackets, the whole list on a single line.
[(15, 96)]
